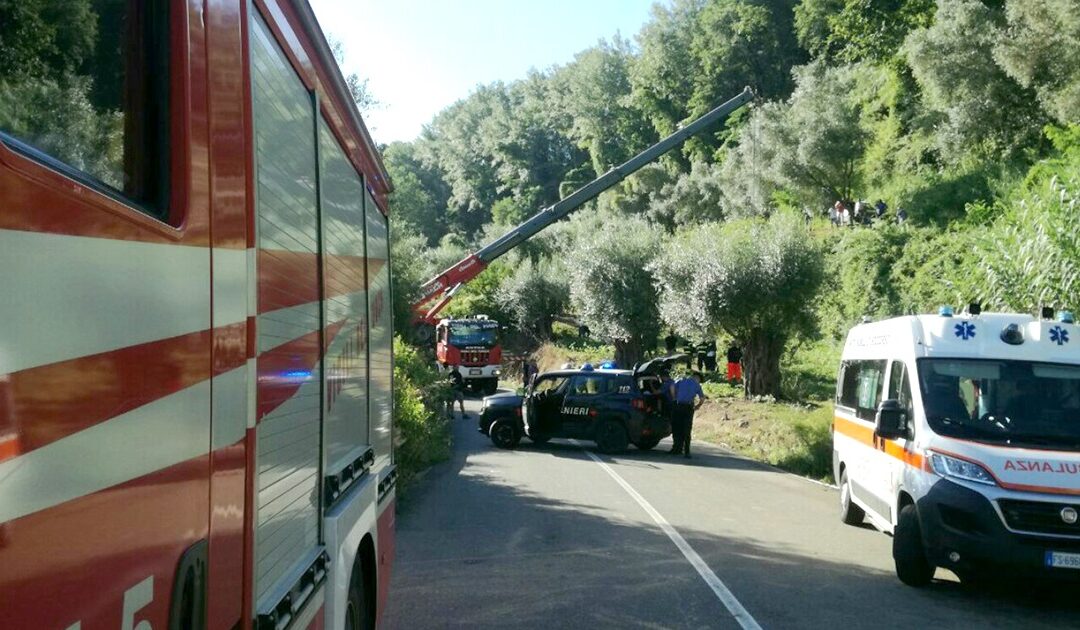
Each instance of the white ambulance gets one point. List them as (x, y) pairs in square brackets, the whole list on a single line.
[(960, 436)]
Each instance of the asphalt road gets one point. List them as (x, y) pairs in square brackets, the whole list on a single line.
[(547, 537)]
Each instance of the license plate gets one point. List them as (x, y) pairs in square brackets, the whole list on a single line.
[(475, 372), (1062, 560)]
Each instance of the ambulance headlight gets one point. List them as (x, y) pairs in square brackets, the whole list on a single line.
[(956, 468)]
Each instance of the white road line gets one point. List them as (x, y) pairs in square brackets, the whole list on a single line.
[(725, 596)]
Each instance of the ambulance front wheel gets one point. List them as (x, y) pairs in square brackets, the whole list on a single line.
[(912, 567), (850, 513)]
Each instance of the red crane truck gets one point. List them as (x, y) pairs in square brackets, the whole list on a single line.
[(436, 293), (195, 358)]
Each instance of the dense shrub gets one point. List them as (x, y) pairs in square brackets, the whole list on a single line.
[(422, 425)]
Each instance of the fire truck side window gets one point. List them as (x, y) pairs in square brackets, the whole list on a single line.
[(84, 88)]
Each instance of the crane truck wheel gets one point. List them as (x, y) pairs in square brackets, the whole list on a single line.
[(423, 333)]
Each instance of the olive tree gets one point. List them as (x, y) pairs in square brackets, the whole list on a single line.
[(532, 296), (753, 279), (612, 287)]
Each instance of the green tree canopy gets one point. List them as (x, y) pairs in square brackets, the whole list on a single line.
[(612, 287), (753, 279), (1041, 49)]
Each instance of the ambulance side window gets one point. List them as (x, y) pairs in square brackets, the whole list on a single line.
[(900, 391), (861, 387), (849, 379)]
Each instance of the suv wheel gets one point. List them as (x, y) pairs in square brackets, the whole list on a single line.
[(504, 433), (611, 437), (646, 444), (912, 567)]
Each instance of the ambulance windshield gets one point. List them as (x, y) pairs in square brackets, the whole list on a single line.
[(1007, 402)]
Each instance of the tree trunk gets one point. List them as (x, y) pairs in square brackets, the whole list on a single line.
[(627, 352), (761, 363)]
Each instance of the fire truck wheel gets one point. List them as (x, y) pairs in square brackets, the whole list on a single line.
[(491, 386), (356, 607), (850, 513), (912, 567), (611, 436), (646, 444), (504, 434)]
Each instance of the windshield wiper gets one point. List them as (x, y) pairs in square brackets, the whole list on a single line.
[(1043, 440), (970, 432)]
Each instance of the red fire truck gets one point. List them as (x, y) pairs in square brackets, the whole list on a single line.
[(472, 344), (195, 335)]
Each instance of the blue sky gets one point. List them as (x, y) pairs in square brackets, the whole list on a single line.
[(422, 55)]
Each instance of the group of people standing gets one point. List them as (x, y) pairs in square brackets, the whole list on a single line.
[(706, 355), (862, 213)]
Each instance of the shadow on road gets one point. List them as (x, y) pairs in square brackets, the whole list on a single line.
[(483, 543)]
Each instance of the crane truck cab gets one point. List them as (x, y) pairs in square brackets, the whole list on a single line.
[(472, 344), (960, 436)]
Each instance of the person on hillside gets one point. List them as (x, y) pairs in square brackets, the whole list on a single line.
[(734, 362), (860, 207), (880, 208), (457, 385), (838, 213), (901, 216), (688, 398)]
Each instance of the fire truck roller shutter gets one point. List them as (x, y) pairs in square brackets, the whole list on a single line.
[(345, 437), (288, 328), (380, 397)]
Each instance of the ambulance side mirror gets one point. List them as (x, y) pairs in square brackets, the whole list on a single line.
[(891, 420)]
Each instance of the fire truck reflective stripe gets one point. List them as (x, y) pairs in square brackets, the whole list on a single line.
[(230, 407), (865, 435), (284, 369), (9, 446), (154, 436), (289, 278), (51, 402), (58, 308), (230, 286), (96, 547)]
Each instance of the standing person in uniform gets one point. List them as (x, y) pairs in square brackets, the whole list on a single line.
[(528, 372), (457, 384), (734, 362), (710, 355), (688, 398)]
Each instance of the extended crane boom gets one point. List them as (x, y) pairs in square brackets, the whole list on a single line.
[(443, 286)]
